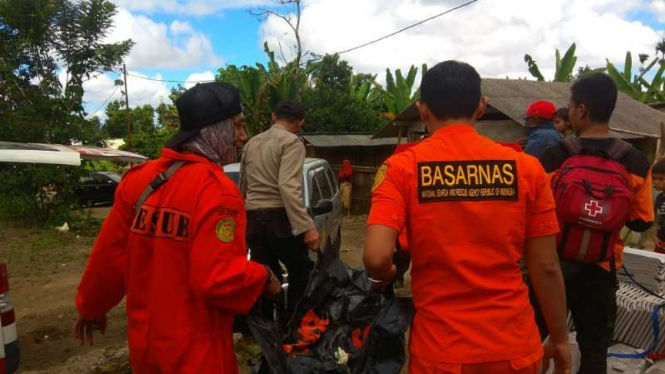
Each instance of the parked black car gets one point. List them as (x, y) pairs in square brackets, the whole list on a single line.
[(97, 188)]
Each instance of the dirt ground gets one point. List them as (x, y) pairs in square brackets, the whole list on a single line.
[(45, 267)]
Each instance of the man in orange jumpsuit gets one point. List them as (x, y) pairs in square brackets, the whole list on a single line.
[(174, 245), (472, 209)]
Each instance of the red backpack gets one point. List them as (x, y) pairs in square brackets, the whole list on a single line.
[(593, 199)]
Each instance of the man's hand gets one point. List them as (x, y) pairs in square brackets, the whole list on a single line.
[(84, 328), (313, 240), (560, 352), (273, 287)]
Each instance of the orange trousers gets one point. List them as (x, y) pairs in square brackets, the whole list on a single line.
[(502, 367)]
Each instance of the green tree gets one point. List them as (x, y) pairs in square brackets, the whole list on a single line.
[(142, 119), (39, 40), (262, 87), (339, 101)]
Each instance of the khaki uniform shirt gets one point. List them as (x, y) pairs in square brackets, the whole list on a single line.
[(271, 175)]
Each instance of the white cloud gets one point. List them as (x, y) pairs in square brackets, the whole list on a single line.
[(490, 35), (180, 27), (141, 91), (195, 7), (199, 77), (160, 46), (658, 8)]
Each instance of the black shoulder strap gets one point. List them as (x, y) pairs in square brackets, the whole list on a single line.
[(158, 182), (572, 145), (619, 149)]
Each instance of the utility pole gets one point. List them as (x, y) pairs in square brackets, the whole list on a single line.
[(127, 112)]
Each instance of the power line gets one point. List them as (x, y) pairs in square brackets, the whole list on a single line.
[(408, 27), (166, 80), (105, 101), (341, 52)]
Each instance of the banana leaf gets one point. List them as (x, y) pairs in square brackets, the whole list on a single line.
[(628, 66), (622, 83), (566, 65), (533, 68)]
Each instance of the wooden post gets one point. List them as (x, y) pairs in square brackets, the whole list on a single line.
[(129, 121), (661, 148), (399, 138)]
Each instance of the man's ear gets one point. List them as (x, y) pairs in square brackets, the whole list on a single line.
[(425, 113), (274, 118), (482, 108), (582, 111)]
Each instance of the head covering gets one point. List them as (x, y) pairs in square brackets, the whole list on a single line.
[(291, 108), (346, 172), (216, 142), (204, 105), (541, 109)]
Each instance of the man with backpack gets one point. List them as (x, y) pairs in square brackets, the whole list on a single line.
[(600, 184), (472, 209)]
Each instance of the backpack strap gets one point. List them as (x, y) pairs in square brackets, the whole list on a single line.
[(619, 149), (572, 145), (158, 182)]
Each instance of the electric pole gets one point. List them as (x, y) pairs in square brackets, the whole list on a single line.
[(127, 112)]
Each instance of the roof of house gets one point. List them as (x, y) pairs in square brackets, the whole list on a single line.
[(347, 140), (512, 97)]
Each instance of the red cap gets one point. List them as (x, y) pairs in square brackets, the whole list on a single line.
[(541, 109)]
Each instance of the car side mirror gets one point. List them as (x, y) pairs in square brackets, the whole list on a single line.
[(323, 207)]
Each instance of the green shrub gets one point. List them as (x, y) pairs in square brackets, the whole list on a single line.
[(38, 194)]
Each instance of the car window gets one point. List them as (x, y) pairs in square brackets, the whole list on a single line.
[(85, 180), (234, 176), (333, 181), (324, 184), (100, 179), (316, 190), (114, 177)]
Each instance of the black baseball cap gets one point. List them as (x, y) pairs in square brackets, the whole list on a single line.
[(203, 105), (291, 108)]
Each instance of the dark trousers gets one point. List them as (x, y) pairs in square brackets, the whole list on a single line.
[(591, 295), (270, 239)]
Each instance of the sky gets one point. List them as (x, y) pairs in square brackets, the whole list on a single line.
[(188, 40)]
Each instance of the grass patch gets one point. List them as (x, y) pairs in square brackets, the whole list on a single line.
[(33, 250)]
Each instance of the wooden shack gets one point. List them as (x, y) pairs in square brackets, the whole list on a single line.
[(364, 153), (633, 121)]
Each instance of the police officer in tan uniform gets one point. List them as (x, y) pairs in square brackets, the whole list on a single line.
[(279, 226)]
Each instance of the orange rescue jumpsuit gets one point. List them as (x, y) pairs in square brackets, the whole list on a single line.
[(468, 205), (182, 263)]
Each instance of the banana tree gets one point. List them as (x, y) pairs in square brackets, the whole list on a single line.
[(399, 92), (261, 88), (360, 87), (564, 66), (637, 86)]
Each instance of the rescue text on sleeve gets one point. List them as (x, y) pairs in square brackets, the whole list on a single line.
[(467, 181)]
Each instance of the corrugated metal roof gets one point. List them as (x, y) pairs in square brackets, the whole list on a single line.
[(347, 140), (512, 97)]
